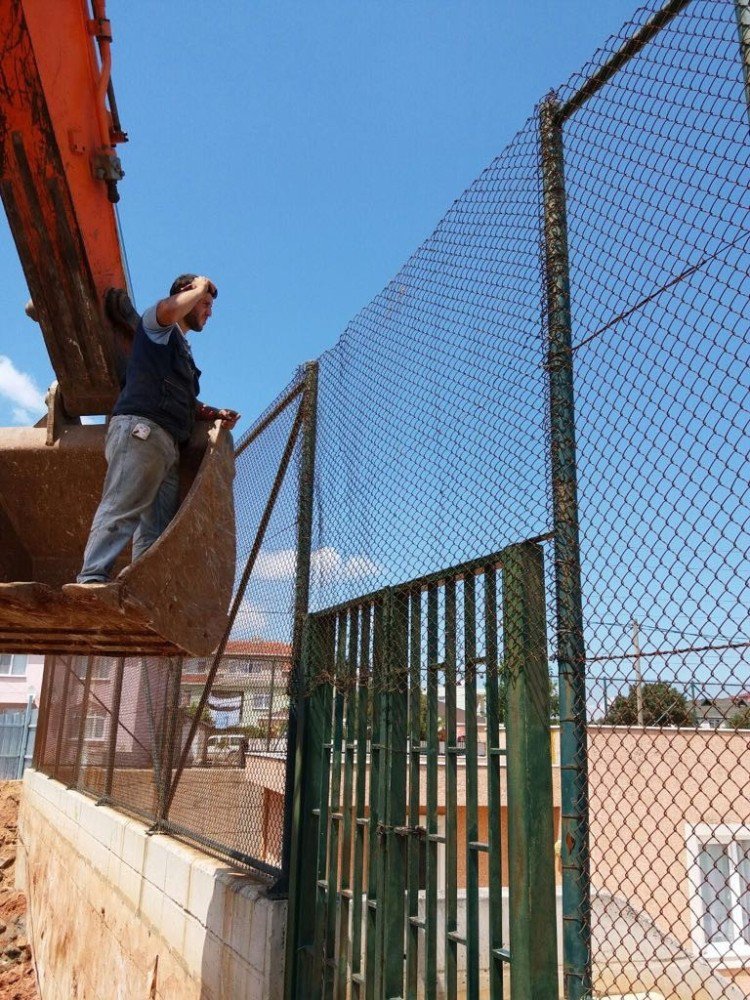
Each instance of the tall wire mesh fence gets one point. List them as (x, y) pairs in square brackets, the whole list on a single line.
[(596, 271), (198, 746)]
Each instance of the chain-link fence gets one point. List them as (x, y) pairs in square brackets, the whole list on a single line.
[(199, 747), (593, 277)]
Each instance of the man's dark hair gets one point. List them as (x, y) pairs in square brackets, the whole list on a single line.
[(183, 280)]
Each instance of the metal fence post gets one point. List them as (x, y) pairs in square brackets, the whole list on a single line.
[(531, 856), (570, 646), (302, 732), (170, 741), (397, 667), (114, 725), (66, 662), (82, 723), (40, 744), (295, 724), (303, 961), (25, 737)]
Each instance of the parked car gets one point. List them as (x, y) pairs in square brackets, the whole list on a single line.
[(229, 750)]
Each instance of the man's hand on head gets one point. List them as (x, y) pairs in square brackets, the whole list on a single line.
[(203, 284)]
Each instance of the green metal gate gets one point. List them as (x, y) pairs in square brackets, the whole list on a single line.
[(415, 808)]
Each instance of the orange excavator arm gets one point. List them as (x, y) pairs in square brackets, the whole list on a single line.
[(58, 182)]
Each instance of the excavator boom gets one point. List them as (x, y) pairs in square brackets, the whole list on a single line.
[(58, 172)]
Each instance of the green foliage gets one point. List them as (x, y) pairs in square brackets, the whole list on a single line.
[(554, 703), (741, 719), (663, 705), (206, 717)]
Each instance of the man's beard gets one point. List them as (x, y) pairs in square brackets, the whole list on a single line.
[(192, 322)]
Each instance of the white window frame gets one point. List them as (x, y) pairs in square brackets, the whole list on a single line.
[(91, 718), (733, 954), (12, 658), (101, 669)]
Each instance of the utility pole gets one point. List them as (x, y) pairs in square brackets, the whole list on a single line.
[(638, 678)]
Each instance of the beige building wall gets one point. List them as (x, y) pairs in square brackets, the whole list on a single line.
[(649, 788)]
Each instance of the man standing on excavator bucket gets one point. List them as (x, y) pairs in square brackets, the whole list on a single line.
[(154, 415)]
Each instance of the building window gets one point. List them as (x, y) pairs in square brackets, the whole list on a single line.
[(101, 669), (95, 725), (12, 665), (720, 900), (261, 702)]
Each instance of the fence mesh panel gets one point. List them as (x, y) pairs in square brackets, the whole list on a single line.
[(436, 443), (432, 404), (198, 746), (657, 180)]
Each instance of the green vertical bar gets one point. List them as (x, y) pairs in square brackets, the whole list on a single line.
[(431, 892), (335, 815), (415, 760), (451, 801), (472, 789), (493, 786), (347, 805), (322, 902), (570, 645), (531, 858), (361, 820), (395, 826), (306, 971), (374, 926), (295, 757)]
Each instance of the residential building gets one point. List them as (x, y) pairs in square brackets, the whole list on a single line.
[(20, 679), (249, 690), (714, 713)]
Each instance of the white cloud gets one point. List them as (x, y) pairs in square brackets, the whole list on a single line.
[(278, 565), (326, 565), (357, 567), (22, 416), (250, 620), (21, 391)]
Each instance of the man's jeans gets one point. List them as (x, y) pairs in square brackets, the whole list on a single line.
[(139, 498)]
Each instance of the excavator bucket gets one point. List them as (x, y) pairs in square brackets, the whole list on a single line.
[(172, 599)]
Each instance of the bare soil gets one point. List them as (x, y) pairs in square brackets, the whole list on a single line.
[(17, 977)]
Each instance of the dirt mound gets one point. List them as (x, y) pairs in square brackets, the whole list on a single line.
[(17, 979)]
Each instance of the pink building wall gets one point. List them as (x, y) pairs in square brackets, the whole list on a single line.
[(16, 689)]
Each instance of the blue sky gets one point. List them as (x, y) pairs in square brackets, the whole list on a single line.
[(298, 154)]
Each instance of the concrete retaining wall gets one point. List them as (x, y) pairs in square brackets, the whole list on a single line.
[(119, 915)]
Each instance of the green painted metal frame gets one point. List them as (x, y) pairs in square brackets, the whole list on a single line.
[(372, 664), (570, 645), (533, 916)]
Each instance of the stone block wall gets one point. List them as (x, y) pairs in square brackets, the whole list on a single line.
[(115, 914)]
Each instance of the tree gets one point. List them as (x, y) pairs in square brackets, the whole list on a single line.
[(554, 703), (741, 719), (663, 705), (192, 709)]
